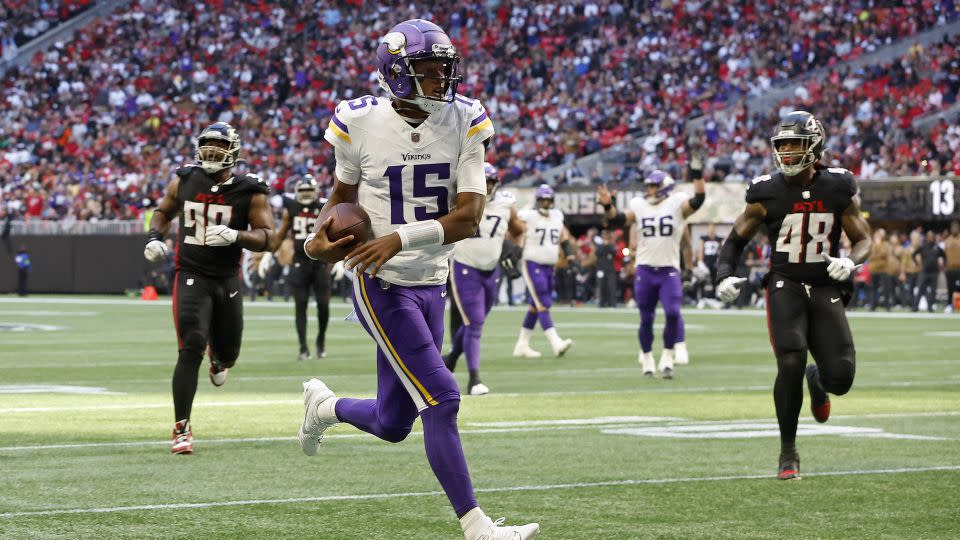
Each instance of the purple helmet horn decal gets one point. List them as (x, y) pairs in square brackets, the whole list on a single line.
[(543, 192), (662, 180)]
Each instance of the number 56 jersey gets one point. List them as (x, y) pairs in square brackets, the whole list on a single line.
[(659, 230), (407, 174), (803, 223)]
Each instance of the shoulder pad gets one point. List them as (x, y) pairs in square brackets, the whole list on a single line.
[(760, 188), (255, 183), (479, 126), (186, 170), (508, 197), (351, 109)]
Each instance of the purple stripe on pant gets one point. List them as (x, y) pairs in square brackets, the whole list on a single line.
[(650, 285), (407, 323)]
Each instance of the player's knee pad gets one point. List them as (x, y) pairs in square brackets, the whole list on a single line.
[(791, 363), (838, 378), (394, 434), (475, 330)]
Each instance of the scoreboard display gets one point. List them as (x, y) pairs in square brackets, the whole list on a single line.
[(927, 199)]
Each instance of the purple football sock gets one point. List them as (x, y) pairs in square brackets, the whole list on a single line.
[(445, 454), (471, 346), (457, 343), (530, 320), (546, 322)]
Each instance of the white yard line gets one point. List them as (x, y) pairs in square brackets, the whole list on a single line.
[(508, 489), (603, 422)]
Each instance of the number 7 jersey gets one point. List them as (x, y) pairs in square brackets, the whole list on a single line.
[(407, 174), (803, 223)]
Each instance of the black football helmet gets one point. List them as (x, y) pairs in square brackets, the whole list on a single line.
[(216, 157), (803, 127), (308, 190)]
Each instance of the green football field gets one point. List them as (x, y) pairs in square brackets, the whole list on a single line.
[(582, 444)]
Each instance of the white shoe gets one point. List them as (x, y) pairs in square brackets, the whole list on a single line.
[(523, 350), (217, 378), (666, 361), (647, 363), (680, 355), (479, 389), (483, 528), (311, 431), (561, 347)]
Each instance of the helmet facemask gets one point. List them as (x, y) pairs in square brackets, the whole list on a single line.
[(307, 190), (218, 148), (806, 134)]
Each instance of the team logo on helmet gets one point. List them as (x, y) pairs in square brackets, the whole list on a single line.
[(217, 147), (544, 197)]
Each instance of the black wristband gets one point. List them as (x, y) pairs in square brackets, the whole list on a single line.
[(697, 200), (606, 206), (618, 220), (154, 235)]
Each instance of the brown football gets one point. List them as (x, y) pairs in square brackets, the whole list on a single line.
[(348, 218)]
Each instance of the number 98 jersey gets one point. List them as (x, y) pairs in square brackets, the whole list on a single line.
[(803, 223), (302, 219), (659, 230), (407, 173)]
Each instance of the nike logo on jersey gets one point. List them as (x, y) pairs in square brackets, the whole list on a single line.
[(834, 300), (443, 293), (234, 293), (189, 282)]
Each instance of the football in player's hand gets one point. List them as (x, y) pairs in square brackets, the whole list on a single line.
[(348, 219)]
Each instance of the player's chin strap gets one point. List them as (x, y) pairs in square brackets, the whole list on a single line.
[(420, 234), (730, 255)]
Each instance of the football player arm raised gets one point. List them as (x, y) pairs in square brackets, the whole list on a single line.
[(612, 216), (744, 228), (156, 249), (699, 195)]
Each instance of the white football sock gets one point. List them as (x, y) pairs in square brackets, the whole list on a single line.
[(647, 361), (326, 410), (552, 336), (666, 359), (525, 334), (473, 519)]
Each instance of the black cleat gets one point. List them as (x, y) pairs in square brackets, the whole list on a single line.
[(789, 467), (667, 373), (449, 362), (819, 400), (648, 374)]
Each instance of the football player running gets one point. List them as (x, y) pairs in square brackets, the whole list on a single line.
[(474, 275), (307, 275), (216, 209), (660, 220), (414, 162), (545, 236), (804, 207)]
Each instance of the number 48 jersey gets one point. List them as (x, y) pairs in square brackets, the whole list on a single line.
[(407, 174), (659, 230), (803, 223)]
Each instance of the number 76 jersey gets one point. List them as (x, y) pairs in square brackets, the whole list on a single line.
[(803, 223)]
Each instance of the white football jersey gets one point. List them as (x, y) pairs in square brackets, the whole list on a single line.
[(408, 174), (542, 240), (483, 250), (659, 230)]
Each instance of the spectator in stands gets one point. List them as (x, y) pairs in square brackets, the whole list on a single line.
[(880, 271)]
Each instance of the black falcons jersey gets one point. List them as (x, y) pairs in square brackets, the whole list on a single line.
[(202, 202), (711, 249), (302, 219), (804, 222)]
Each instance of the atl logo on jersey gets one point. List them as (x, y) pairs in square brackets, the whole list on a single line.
[(809, 206), (209, 198)]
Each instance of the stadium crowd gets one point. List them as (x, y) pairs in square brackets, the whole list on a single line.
[(25, 20), (92, 129)]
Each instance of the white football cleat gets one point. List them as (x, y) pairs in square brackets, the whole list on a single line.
[(647, 363), (311, 431), (479, 389), (218, 375), (680, 355), (523, 350), (481, 527), (561, 347)]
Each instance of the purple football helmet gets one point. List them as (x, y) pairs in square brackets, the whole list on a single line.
[(662, 181), (408, 43), (490, 174), (544, 193)]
